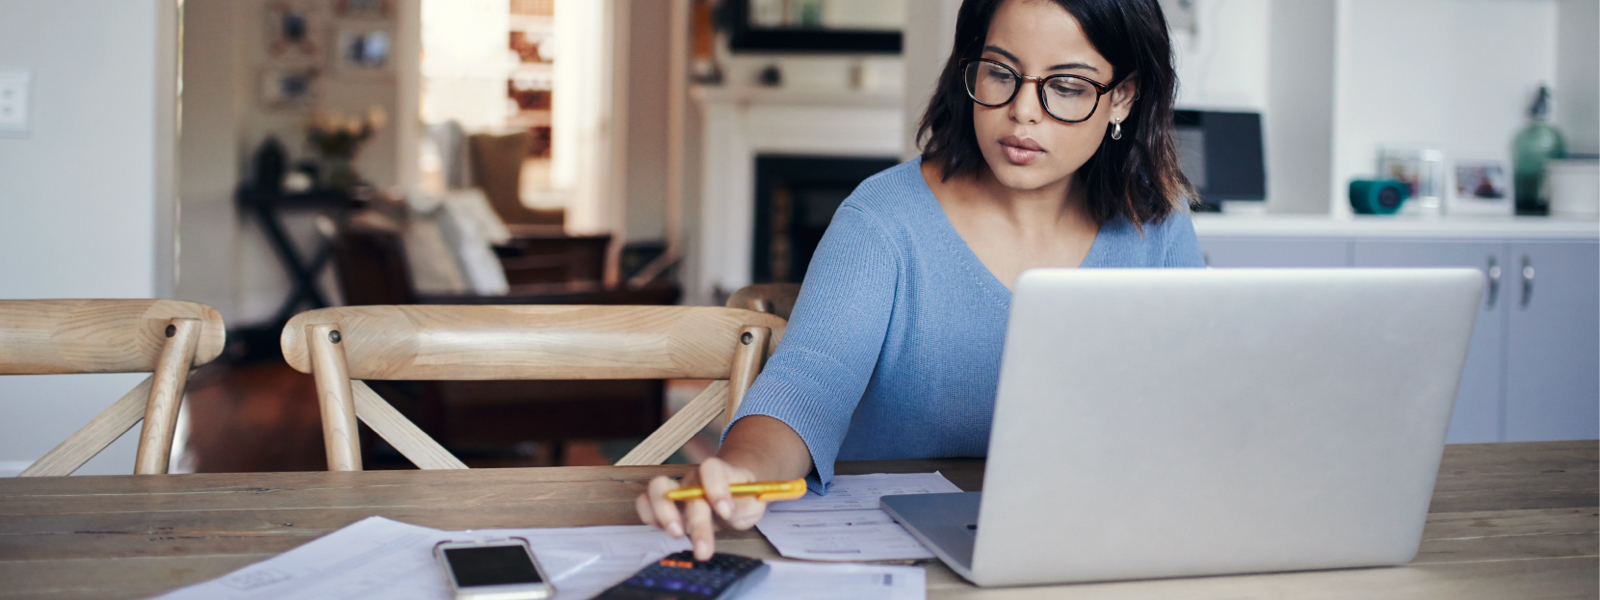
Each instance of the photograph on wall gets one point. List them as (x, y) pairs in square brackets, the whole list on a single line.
[(362, 49), (291, 29), (289, 88)]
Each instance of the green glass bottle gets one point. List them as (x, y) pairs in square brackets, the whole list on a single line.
[(1537, 143)]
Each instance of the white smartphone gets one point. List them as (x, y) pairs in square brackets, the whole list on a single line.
[(493, 570)]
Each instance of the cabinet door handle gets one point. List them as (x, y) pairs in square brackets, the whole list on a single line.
[(1494, 281), (1527, 281)]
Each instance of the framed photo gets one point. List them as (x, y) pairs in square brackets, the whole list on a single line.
[(292, 29), (1422, 170), (364, 9), (288, 88), (363, 49), (1482, 187)]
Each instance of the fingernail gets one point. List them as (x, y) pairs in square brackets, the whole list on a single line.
[(702, 550), (675, 529), (724, 508)]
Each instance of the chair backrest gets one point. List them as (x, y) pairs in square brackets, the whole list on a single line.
[(167, 338), (774, 298), (342, 346)]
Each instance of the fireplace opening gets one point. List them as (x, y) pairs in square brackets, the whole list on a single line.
[(796, 197)]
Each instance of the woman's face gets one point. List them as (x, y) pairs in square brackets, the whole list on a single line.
[(1025, 147)]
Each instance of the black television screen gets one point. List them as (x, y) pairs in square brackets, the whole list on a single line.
[(1221, 155)]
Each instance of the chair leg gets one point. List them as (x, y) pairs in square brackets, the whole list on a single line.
[(340, 435)]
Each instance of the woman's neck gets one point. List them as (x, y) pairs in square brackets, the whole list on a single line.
[(1049, 208)]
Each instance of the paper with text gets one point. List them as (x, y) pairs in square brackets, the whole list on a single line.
[(846, 524), (811, 581)]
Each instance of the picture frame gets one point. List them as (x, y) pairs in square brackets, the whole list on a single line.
[(367, 49), (290, 87), (1423, 172), (1480, 187), (292, 30)]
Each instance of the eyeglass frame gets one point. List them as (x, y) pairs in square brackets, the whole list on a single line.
[(1100, 88)]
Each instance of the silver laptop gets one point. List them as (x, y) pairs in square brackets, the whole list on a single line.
[(1168, 423)]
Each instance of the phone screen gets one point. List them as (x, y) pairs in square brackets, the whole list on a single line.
[(492, 565)]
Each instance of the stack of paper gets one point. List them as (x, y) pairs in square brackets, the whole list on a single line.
[(847, 525)]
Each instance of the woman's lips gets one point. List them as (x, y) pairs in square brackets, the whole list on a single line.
[(1020, 151)]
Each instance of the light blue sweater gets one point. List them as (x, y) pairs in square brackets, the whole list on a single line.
[(893, 348)]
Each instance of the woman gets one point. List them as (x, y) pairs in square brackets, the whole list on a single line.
[(1047, 144)]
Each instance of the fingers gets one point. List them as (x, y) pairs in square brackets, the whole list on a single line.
[(714, 479), (702, 533), (655, 509), (746, 512)]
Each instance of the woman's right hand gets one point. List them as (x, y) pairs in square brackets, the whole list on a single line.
[(700, 518)]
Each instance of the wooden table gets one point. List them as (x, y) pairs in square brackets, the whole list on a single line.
[(1507, 521)]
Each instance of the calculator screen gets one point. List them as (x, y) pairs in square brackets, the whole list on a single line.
[(492, 565)]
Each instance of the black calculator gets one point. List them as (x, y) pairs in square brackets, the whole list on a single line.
[(680, 577)]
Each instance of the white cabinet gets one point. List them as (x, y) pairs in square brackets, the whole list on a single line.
[(1275, 252), (1552, 341), (1533, 371)]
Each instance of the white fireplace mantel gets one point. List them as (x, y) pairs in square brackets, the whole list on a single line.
[(740, 123)]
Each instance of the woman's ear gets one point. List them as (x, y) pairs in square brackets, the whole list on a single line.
[(1123, 95)]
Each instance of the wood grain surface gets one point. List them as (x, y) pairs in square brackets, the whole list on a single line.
[(424, 342), (98, 336), (1507, 521)]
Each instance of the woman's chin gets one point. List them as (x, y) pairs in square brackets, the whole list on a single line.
[(1029, 177)]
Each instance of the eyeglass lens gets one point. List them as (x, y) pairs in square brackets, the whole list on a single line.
[(1065, 98)]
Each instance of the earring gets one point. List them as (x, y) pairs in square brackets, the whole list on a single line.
[(1116, 129)]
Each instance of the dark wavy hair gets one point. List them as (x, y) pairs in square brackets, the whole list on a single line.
[(1137, 177)]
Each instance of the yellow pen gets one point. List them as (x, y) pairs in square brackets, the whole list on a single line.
[(765, 491)]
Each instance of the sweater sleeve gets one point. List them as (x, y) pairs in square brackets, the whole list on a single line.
[(817, 376)]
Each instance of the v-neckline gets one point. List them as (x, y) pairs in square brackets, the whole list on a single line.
[(985, 278)]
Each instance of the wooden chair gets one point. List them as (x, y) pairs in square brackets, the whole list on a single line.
[(166, 338), (773, 298), (342, 346)]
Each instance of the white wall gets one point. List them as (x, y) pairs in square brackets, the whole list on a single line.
[(1457, 75), (1222, 62), (1577, 85), (84, 196), (1298, 123)]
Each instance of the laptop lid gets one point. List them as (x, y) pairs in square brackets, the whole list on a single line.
[(1160, 423)]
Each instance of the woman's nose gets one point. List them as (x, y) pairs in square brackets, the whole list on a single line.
[(1025, 108)]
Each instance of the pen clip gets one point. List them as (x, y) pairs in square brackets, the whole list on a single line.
[(792, 490)]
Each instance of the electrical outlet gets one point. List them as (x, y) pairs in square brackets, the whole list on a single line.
[(13, 103)]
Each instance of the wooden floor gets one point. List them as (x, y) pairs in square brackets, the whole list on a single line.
[(263, 417)]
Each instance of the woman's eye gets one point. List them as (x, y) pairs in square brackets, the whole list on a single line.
[(1068, 90), (1000, 75)]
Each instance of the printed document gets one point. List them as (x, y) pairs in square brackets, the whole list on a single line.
[(846, 524), (811, 581)]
